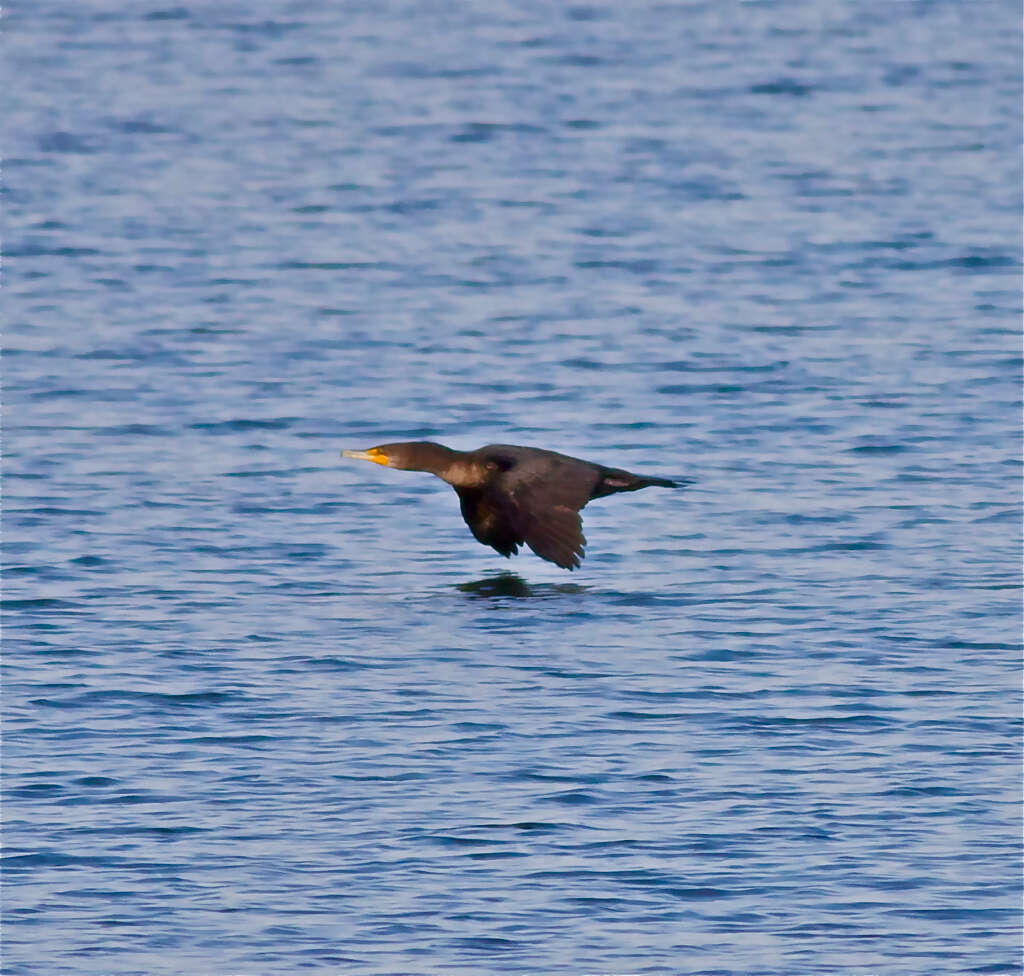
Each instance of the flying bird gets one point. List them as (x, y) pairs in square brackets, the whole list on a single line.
[(514, 495)]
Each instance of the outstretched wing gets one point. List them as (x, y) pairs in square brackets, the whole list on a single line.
[(555, 534), (531, 496), (545, 501), (504, 523), (489, 520)]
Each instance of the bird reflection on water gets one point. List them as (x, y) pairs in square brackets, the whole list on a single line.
[(508, 584)]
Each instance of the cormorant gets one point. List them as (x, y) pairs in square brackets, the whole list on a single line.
[(514, 495)]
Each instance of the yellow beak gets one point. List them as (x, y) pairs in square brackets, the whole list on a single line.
[(374, 454)]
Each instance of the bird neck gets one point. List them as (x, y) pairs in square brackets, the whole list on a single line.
[(455, 467)]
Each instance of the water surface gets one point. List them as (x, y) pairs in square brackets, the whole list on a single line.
[(268, 711)]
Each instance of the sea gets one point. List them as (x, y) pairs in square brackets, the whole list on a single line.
[(270, 711)]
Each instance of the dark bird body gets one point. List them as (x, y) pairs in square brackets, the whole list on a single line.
[(514, 495)]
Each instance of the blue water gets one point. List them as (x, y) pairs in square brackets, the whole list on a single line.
[(268, 711)]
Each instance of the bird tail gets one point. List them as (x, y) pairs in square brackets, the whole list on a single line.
[(614, 480), (645, 482)]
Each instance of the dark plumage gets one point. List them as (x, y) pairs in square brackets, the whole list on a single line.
[(514, 495)]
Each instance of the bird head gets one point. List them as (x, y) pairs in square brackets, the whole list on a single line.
[(408, 456)]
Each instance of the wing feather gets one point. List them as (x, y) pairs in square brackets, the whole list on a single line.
[(489, 521), (534, 497), (556, 534)]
